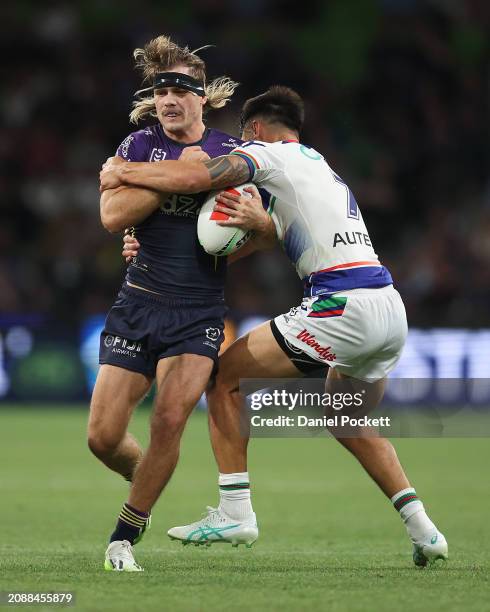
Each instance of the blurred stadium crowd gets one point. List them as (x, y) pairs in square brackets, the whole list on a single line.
[(397, 101)]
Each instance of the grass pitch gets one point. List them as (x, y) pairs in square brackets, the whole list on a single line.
[(329, 540)]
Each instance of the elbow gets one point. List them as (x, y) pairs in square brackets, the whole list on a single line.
[(111, 223)]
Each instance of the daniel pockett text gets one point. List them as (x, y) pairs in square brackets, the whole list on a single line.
[(301, 420), (303, 408), (291, 400), (410, 408)]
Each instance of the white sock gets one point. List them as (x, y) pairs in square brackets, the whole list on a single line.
[(234, 495), (413, 514)]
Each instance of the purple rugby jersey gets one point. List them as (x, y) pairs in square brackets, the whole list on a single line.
[(171, 260)]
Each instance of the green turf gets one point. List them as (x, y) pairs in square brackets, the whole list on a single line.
[(329, 540)]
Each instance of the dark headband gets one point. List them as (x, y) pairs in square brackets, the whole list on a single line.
[(177, 79)]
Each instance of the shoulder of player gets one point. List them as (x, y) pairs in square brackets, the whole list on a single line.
[(252, 143), (263, 154), (226, 141), (138, 137), (143, 134), (259, 145), (146, 144)]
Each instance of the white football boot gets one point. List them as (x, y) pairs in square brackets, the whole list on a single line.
[(119, 558), (434, 547), (217, 527)]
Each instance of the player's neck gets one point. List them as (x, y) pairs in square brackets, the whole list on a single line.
[(188, 136), (281, 134)]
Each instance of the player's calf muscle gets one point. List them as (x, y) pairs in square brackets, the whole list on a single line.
[(116, 394)]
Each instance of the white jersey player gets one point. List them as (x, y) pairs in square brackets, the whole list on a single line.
[(351, 317)]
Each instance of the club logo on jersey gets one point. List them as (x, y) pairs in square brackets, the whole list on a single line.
[(213, 333), (157, 155), (324, 352)]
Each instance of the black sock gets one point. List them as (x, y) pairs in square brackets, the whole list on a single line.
[(130, 524)]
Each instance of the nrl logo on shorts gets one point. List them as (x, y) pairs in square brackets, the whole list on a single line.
[(292, 313), (212, 333)]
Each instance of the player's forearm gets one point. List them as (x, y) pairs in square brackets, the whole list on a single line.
[(175, 176), (127, 206), (261, 241), (266, 236), (168, 176)]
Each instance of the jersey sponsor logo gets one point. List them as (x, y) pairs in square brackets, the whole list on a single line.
[(324, 352), (181, 205), (351, 238), (157, 155), (122, 346), (125, 145)]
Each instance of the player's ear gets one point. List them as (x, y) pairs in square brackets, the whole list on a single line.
[(203, 101)]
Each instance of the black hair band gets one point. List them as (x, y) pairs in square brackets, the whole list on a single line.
[(180, 80)]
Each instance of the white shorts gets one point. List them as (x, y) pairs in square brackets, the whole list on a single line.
[(361, 332)]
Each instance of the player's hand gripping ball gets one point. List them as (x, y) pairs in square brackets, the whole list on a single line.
[(218, 239)]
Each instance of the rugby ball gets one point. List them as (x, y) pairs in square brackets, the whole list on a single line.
[(217, 239)]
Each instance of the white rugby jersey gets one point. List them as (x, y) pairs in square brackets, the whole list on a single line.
[(316, 216)]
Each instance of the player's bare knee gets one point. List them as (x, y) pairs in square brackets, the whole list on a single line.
[(167, 424), (103, 442)]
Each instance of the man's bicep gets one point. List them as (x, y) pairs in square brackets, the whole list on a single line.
[(125, 206), (227, 171), (129, 195)]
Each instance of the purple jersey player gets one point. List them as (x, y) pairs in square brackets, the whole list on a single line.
[(167, 322), (171, 260)]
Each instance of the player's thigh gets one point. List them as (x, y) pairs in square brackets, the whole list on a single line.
[(116, 393), (372, 392), (255, 355), (181, 381)]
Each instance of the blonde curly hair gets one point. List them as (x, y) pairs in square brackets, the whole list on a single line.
[(160, 55)]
